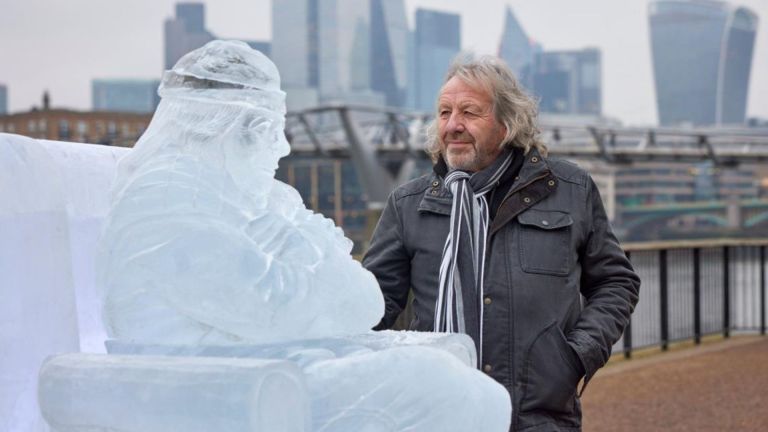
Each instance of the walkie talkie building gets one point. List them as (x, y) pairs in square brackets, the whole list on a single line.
[(702, 55)]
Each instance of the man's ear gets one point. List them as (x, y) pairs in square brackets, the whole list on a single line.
[(505, 138)]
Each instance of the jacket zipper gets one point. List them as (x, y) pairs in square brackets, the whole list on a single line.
[(513, 372)]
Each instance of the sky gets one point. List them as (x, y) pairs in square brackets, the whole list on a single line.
[(60, 46)]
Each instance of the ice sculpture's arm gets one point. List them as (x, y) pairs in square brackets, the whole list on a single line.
[(315, 234), (390, 262)]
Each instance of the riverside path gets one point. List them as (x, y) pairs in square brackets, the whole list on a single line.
[(717, 386)]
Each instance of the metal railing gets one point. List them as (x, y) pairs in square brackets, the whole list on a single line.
[(694, 289), (691, 290)]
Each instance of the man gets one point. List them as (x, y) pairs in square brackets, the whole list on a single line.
[(508, 247)]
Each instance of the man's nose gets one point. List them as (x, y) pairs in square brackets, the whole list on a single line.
[(455, 123)]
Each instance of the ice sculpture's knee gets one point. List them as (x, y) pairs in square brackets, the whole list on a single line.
[(386, 391)]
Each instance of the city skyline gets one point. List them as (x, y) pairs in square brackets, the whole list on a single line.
[(84, 40)]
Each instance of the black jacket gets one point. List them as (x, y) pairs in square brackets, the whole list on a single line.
[(559, 289)]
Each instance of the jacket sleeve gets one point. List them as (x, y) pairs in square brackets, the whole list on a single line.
[(609, 285), (388, 260)]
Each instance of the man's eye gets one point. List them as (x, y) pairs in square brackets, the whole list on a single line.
[(445, 113)]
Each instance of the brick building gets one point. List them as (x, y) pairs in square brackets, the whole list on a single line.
[(109, 128)]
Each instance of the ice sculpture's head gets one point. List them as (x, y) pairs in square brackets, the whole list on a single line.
[(241, 88)]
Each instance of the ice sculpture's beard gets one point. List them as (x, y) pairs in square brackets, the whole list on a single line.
[(244, 140)]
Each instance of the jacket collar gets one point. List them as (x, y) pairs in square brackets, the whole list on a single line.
[(535, 170), (534, 183), (533, 167)]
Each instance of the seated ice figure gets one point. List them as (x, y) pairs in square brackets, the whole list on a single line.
[(202, 244), (205, 254)]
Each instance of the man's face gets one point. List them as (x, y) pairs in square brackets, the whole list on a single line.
[(468, 132)]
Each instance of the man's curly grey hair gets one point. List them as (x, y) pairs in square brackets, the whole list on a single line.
[(511, 105)]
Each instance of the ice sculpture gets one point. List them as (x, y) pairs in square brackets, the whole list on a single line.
[(202, 243), (206, 255)]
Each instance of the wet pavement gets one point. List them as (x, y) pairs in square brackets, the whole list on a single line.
[(718, 386)]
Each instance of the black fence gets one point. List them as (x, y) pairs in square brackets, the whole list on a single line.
[(691, 290)]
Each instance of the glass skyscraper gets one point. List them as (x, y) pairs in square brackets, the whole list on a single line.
[(292, 30), (192, 15), (736, 67), (127, 95), (344, 29), (264, 47), (323, 50), (437, 41), (568, 82), (294, 50), (344, 51), (361, 52), (702, 55), (185, 32), (389, 50), (516, 48)]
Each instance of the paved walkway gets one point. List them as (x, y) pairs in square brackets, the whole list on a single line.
[(717, 386)]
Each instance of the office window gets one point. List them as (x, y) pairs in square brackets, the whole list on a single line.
[(63, 130)]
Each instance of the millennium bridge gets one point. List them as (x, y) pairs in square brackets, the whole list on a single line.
[(384, 143)]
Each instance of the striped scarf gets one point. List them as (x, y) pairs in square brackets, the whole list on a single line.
[(459, 306)]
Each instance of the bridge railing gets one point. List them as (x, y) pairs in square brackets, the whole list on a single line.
[(694, 289), (691, 290), (385, 143), (396, 132)]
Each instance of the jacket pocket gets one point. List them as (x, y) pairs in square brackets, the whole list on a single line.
[(550, 374), (545, 242)]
